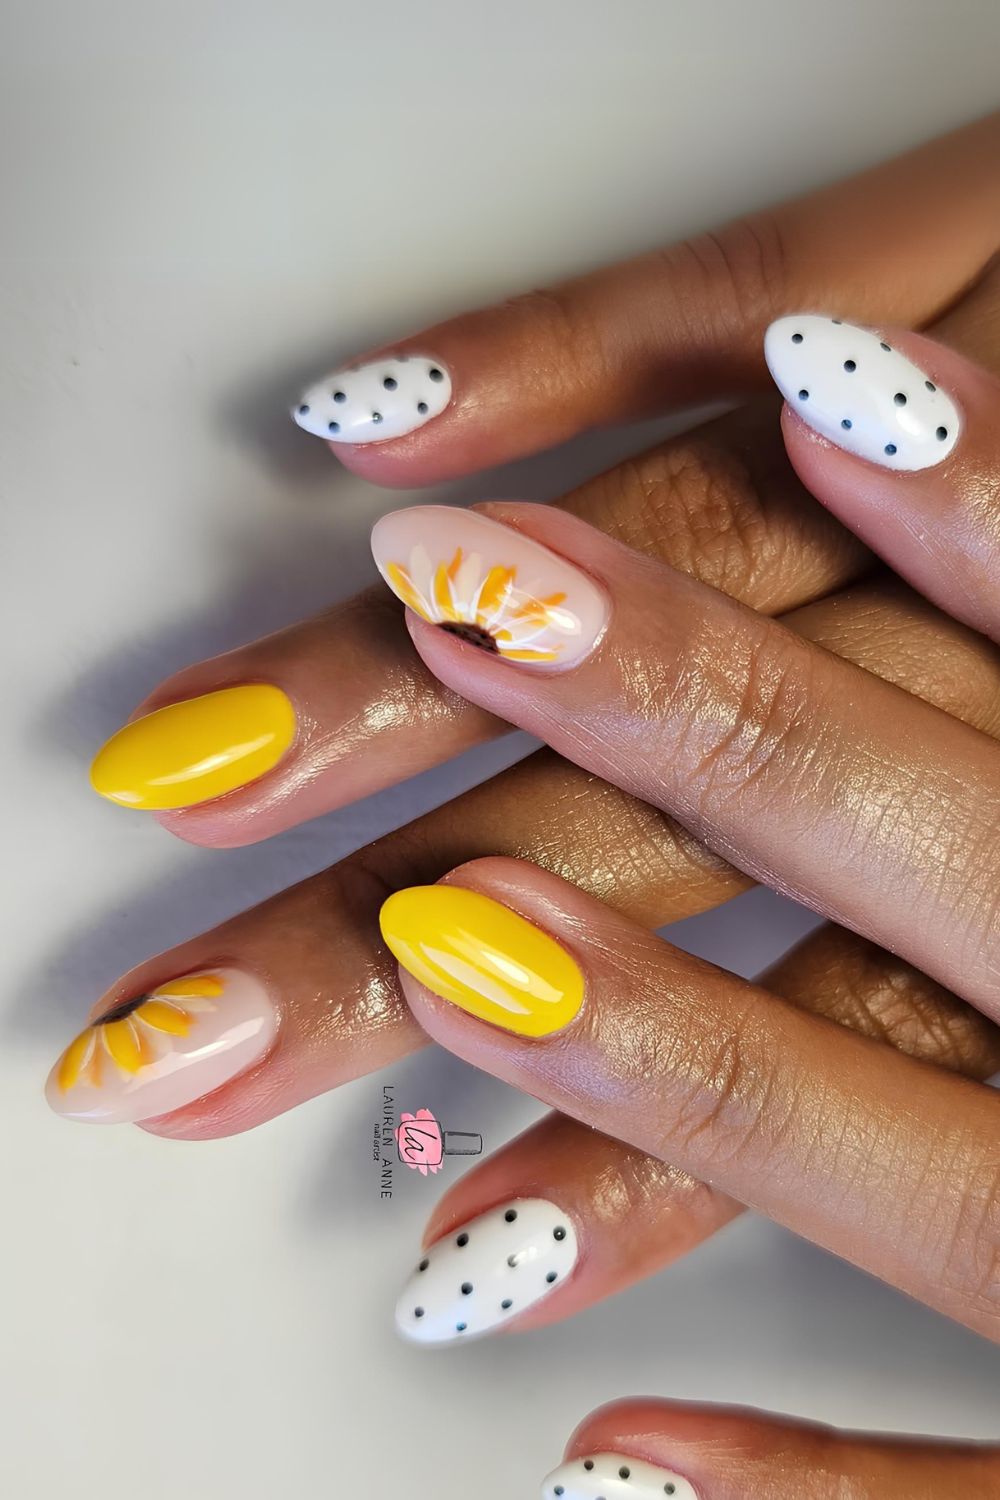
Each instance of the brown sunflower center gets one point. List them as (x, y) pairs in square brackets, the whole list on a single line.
[(122, 1010), (474, 634)]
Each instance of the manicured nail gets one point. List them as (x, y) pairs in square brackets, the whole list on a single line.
[(851, 386), (151, 1054), (614, 1476), (489, 585), (375, 402), (483, 957), (487, 1271), (192, 751)]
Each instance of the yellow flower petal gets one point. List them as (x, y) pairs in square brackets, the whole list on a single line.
[(455, 564), (491, 595), (192, 984), (527, 655), (403, 585), (123, 1045), (76, 1060), (442, 595), (163, 1016)]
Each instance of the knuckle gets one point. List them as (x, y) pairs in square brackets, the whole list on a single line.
[(971, 1251), (744, 267)]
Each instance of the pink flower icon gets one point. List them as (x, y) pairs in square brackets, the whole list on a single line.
[(423, 1145)]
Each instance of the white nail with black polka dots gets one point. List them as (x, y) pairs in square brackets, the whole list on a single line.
[(612, 1476), (854, 388), (375, 402), (485, 1272)]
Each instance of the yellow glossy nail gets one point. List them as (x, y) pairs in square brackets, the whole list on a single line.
[(192, 751), (484, 957)]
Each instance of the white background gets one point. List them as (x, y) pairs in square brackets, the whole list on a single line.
[(203, 204)]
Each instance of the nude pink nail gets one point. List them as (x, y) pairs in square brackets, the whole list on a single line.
[(490, 585), (157, 1051)]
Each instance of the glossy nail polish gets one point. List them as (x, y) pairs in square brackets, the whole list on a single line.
[(851, 386), (487, 1271), (615, 1476), (200, 748), (489, 585), (483, 957), (371, 403), (151, 1054)]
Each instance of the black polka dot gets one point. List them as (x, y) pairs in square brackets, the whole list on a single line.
[(423, 1265), (803, 395), (466, 1288), (333, 426), (624, 1472), (389, 383), (847, 424), (930, 385), (418, 1312), (461, 1327), (588, 1464), (339, 396), (899, 398), (552, 1276), (850, 365), (942, 433), (506, 1303), (510, 1215), (890, 448), (376, 416), (670, 1489), (512, 1261), (796, 338), (558, 1490), (422, 408), (559, 1234), (303, 410), (886, 347), (435, 374), (462, 1240)]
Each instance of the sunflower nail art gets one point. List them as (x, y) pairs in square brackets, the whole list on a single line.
[(489, 585), (164, 1048)]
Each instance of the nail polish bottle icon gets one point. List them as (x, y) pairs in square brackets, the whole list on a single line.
[(423, 1145)]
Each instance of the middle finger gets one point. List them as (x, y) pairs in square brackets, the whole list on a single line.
[(837, 788)]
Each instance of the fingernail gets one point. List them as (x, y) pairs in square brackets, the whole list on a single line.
[(157, 1051), (483, 957), (372, 403), (489, 585), (487, 1271), (851, 386), (192, 751), (614, 1476)]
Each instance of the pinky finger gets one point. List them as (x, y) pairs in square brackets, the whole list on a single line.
[(647, 1450)]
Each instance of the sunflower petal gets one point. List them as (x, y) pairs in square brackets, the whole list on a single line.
[(75, 1062), (209, 985), (527, 655), (403, 586), (123, 1045), (163, 1016), (443, 601), (493, 594)]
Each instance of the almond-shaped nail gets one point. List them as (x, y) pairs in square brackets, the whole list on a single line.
[(151, 1054), (490, 585), (197, 749), (615, 1476), (851, 386), (487, 1271), (371, 403)]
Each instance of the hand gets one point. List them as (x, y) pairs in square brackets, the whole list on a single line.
[(863, 801), (720, 503)]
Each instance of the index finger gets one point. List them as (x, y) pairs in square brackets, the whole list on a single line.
[(674, 327)]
